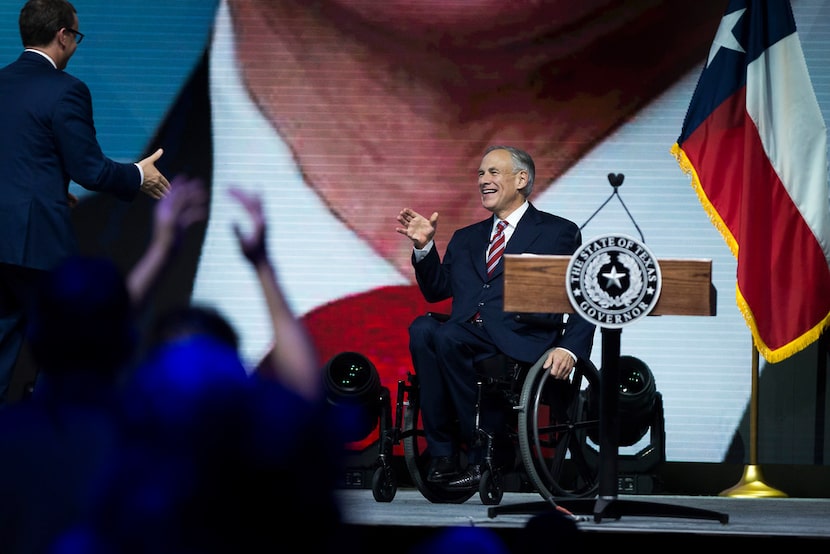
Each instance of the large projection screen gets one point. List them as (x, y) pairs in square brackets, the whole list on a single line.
[(341, 115)]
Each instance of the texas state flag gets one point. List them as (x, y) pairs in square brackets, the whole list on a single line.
[(755, 145)]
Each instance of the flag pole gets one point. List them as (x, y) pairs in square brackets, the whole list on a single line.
[(752, 483)]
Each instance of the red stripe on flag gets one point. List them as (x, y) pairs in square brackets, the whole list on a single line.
[(783, 277)]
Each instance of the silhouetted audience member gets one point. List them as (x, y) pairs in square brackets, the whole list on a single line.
[(216, 461), (551, 531), (82, 334), (219, 457), (186, 321), (462, 540), (56, 443)]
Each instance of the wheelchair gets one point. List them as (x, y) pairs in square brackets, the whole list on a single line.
[(552, 429)]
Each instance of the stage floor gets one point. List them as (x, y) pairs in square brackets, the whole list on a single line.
[(644, 520)]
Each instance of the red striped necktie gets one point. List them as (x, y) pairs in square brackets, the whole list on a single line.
[(496, 248)]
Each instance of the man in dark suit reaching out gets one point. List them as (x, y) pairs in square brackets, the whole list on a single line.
[(46, 139), (443, 354)]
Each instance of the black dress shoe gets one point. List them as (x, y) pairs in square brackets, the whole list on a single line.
[(467, 480), (442, 469)]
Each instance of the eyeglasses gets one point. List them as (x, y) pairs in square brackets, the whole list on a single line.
[(79, 36)]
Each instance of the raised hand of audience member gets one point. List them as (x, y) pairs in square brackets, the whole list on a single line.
[(292, 358), (184, 206)]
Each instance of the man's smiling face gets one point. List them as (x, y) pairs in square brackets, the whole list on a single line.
[(499, 184)]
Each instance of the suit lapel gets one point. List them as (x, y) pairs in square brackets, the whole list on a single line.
[(480, 241)]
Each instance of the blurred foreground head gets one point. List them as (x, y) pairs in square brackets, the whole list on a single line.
[(82, 318)]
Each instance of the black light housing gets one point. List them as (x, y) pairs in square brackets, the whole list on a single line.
[(353, 388), (637, 401), (638, 393)]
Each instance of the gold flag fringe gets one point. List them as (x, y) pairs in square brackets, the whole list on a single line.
[(771, 355)]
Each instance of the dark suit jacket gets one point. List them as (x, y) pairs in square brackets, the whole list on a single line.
[(47, 137), (463, 276)]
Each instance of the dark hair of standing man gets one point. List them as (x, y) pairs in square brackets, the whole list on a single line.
[(41, 19)]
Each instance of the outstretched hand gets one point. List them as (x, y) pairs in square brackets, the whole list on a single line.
[(253, 244), (155, 185), (416, 227)]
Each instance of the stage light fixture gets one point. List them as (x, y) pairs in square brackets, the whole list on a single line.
[(353, 388), (638, 395)]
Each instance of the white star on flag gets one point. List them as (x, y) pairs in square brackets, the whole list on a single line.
[(724, 37)]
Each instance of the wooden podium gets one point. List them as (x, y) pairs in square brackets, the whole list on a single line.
[(532, 281)]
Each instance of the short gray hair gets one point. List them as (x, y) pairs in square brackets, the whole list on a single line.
[(521, 161)]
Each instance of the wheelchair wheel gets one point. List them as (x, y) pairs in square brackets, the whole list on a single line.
[(553, 432), (417, 459), (490, 489), (384, 484)]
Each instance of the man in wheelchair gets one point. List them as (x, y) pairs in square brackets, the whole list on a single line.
[(445, 353)]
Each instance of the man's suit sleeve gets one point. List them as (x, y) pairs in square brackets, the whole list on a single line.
[(82, 156), (431, 277), (578, 336)]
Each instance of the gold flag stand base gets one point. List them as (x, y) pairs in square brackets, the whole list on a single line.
[(752, 485)]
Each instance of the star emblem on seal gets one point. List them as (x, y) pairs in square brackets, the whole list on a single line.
[(613, 280)]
